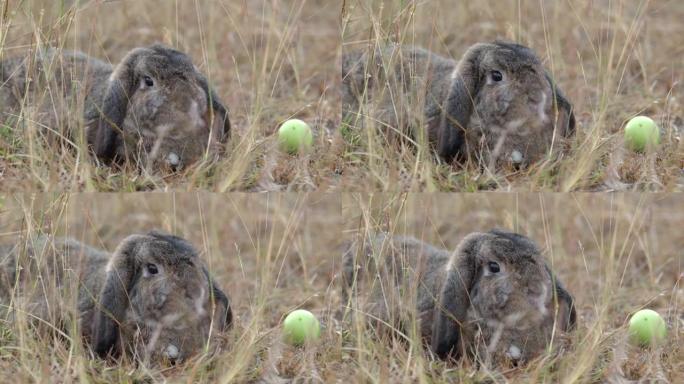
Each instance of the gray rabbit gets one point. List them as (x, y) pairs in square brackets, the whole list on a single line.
[(493, 297), (154, 107), (152, 297), (497, 104)]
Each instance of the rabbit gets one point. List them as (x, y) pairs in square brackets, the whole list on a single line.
[(497, 104), (154, 107), (494, 297), (152, 297)]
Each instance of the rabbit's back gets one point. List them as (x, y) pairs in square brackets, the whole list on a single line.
[(50, 86), (47, 270), (394, 65), (13, 78), (395, 278), (7, 272), (401, 87), (68, 69), (393, 255)]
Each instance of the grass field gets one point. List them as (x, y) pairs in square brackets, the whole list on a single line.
[(273, 60), (268, 60), (613, 59), (271, 253), (616, 254)]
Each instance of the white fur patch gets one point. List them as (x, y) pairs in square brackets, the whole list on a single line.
[(450, 264), (541, 109), (199, 303), (171, 352), (151, 323), (514, 353), (110, 265), (516, 157), (195, 115), (513, 125), (512, 319), (173, 159), (454, 74), (447, 266), (169, 319), (163, 130), (540, 301)]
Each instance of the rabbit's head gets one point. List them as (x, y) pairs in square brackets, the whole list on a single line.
[(158, 300), (160, 111), (499, 300), (508, 106)]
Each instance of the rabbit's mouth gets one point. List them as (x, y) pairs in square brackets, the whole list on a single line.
[(498, 343), (494, 343), (503, 145)]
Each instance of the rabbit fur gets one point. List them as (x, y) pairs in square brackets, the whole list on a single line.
[(152, 297), (466, 113), (154, 107), (461, 305)]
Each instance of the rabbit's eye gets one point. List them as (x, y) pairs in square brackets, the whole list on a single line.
[(493, 267), (148, 81), (497, 76), (152, 269)]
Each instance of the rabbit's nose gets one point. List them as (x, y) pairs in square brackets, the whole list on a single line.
[(173, 160), (171, 353)]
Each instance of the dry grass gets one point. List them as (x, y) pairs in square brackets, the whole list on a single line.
[(613, 59), (272, 60), (275, 252), (616, 254), (268, 60), (270, 252)]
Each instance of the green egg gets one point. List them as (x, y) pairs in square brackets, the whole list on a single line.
[(301, 326), (295, 136), (641, 133), (647, 328)]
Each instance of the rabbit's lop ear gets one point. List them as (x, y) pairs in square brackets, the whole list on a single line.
[(120, 88), (454, 299), (113, 298), (459, 103), (565, 121), (566, 315), (220, 121), (223, 315)]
